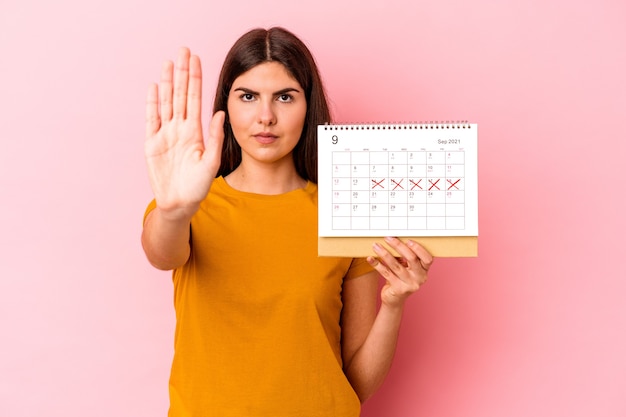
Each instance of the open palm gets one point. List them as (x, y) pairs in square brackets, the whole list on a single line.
[(181, 166)]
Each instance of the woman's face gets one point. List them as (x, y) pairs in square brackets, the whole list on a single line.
[(267, 108)]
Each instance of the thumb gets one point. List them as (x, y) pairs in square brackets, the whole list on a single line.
[(216, 127), (215, 140)]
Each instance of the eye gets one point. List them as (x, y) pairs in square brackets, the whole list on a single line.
[(247, 97), (285, 98)]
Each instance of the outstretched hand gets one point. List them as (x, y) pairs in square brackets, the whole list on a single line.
[(404, 275), (181, 166)]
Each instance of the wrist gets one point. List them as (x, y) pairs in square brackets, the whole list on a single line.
[(176, 215), (394, 305)]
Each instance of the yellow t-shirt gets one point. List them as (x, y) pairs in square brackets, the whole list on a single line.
[(257, 330)]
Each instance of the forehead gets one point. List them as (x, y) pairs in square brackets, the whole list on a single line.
[(267, 75)]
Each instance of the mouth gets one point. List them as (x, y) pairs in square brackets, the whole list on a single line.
[(265, 137)]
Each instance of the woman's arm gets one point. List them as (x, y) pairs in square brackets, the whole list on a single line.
[(165, 240), (368, 338), (181, 167)]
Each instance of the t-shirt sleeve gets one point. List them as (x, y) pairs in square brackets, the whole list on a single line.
[(358, 267), (150, 207)]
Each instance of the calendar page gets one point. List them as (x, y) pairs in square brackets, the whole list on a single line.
[(415, 179)]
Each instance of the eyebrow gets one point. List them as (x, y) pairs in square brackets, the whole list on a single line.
[(277, 93)]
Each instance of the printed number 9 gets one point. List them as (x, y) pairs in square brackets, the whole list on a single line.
[(335, 139)]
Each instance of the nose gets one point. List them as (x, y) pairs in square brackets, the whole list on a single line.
[(266, 116)]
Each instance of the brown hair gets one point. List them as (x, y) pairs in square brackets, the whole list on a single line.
[(276, 45)]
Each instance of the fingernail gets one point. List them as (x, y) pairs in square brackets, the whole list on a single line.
[(389, 239)]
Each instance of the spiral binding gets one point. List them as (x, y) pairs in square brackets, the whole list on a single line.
[(398, 125)]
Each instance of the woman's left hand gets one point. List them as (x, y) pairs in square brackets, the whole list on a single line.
[(405, 274)]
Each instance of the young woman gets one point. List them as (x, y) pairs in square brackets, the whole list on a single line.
[(264, 326)]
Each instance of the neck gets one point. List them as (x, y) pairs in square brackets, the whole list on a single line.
[(269, 180)]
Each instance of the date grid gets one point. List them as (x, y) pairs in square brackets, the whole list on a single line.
[(398, 190)]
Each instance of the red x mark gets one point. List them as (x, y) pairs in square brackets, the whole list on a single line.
[(416, 184), (378, 183), (433, 184), (453, 184), (397, 184)]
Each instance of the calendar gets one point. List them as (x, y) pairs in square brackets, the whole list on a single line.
[(398, 179)]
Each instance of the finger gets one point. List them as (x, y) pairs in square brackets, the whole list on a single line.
[(426, 259), (194, 97), (412, 252), (165, 90), (389, 261), (409, 257), (153, 122), (382, 269), (212, 155), (216, 126), (181, 83), (215, 139)]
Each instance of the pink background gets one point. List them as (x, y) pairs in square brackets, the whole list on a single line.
[(536, 326)]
